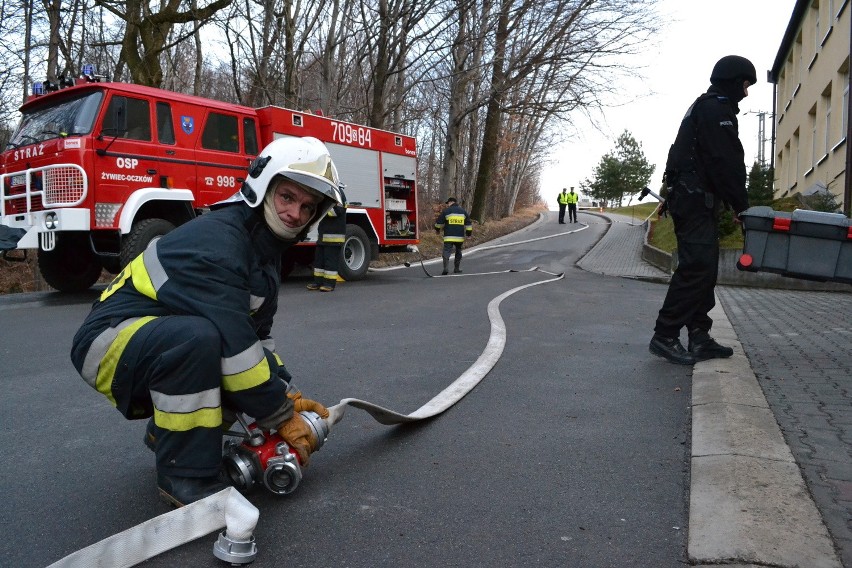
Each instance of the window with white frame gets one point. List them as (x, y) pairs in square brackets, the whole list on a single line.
[(826, 103), (844, 105), (813, 118), (797, 150), (817, 30)]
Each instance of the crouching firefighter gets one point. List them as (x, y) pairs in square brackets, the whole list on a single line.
[(182, 334)]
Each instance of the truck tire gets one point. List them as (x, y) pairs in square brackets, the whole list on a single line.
[(140, 236), (354, 254), (71, 266)]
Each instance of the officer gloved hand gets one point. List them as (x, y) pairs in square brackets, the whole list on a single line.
[(300, 404), (300, 437)]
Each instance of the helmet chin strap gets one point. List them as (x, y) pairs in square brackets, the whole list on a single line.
[(276, 225)]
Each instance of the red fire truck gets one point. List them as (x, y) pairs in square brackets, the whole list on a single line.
[(97, 170)]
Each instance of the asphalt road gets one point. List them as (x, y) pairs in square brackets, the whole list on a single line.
[(573, 451)]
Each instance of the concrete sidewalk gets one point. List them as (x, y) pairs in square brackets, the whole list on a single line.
[(749, 503)]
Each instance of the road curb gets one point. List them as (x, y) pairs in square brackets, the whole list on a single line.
[(748, 500)]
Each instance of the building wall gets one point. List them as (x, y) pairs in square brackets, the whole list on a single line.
[(812, 102)]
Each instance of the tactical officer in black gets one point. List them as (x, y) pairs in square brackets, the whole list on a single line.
[(705, 171)]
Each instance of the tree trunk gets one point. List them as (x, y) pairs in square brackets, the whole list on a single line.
[(493, 117)]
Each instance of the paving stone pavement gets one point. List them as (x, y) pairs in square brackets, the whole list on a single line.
[(799, 345), (616, 253)]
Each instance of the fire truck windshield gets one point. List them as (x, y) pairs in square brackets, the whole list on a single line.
[(57, 119)]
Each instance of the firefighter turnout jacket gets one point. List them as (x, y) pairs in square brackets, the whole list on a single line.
[(456, 224), (222, 267), (332, 228)]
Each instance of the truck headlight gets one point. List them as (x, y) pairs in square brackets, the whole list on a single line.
[(51, 221)]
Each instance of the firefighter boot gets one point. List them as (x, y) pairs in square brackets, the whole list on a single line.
[(457, 267), (180, 491), (704, 347), (446, 266)]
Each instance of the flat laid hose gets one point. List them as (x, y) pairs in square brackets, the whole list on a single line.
[(230, 510)]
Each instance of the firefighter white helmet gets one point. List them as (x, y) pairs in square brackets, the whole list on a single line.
[(305, 161)]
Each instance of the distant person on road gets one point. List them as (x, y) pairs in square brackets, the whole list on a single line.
[(331, 234), (705, 171), (456, 224), (572, 206), (562, 199), (181, 336)]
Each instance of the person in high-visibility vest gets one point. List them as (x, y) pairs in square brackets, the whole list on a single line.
[(456, 224), (572, 206), (562, 199)]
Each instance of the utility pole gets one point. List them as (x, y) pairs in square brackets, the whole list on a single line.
[(761, 138), (761, 134)]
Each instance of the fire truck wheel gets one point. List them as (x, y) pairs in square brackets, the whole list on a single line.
[(355, 253), (141, 235), (71, 266)]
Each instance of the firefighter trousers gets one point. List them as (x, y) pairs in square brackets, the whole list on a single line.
[(171, 369), (326, 264), (448, 251)]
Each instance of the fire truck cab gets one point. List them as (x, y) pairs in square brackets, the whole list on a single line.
[(98, 170)]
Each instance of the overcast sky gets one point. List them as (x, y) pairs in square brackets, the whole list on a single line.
[(695, 35)]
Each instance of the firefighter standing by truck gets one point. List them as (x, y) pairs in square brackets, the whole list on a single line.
[(456, 224), (182, 333), (331, 234)]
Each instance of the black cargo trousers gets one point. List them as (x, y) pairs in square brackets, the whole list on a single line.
[(691, 290)]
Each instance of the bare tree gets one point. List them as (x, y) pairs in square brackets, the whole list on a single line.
[(146, 33), (580, 37)]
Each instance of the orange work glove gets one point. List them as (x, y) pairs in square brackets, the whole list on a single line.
[(300, 404), (300, 437)]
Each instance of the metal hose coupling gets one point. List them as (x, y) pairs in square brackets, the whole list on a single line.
[(319, 426)]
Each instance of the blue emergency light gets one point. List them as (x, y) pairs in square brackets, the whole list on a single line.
[(88, 70), (38, 88)]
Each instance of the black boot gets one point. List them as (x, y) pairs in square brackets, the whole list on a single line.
[(446, 266), (671, 349), (704, 347), (457, 268), (180, 491)]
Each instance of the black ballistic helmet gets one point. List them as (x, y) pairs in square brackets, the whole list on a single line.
[(731, 68)]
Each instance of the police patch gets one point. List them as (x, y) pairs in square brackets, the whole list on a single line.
[(187, 123)]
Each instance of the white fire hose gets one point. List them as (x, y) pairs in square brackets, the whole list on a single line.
[(228, 509)]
